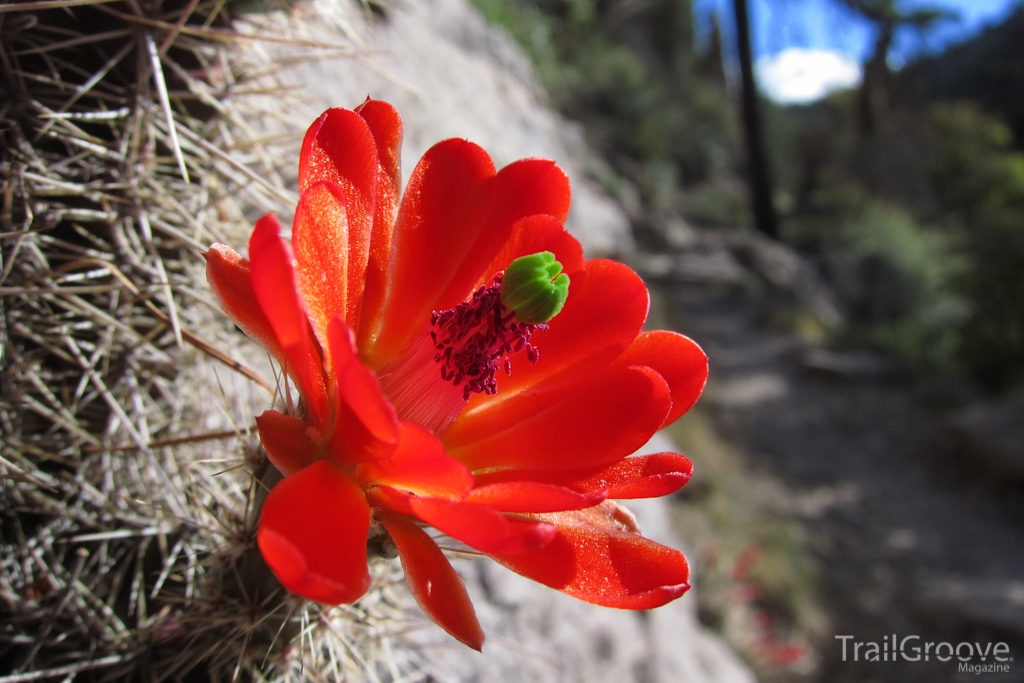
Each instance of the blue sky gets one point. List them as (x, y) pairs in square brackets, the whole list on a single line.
[(819, 38)]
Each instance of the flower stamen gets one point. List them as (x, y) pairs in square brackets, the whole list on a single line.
[(471, 342), (477, 337)]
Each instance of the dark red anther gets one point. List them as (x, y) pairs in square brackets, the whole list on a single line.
[(476, 337)]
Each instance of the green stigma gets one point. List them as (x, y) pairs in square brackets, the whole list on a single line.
[(534, 289)]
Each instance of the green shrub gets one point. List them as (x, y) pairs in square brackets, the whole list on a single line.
[(979, 177), (898, 280)]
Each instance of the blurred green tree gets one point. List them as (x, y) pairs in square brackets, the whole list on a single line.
[(876, 82), (652, 104)]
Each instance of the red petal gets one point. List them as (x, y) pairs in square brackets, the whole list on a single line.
[(606, 308), (447, 201), (642, 476), (645, 476), (229, 276), (524, 188), (432, 581), (386, 127), (366, 427), (420, 464), (530, 187), (340, 148), (599, 557), (320, 240), (312, 533), (478, 526), (601, 421), (676, 358), (276, 290), (533, 234), (291, 443), (528, 496)]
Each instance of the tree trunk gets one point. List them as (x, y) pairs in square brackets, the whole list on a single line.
[(758, 175), (873, 96)]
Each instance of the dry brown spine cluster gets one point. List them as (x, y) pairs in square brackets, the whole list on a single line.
[(132, 135)]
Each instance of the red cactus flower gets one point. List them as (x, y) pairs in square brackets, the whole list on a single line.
[(436, 387)]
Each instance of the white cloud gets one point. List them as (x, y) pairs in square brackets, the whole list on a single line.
[(799, 75)]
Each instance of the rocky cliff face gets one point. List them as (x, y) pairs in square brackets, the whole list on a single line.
[(451, 75)]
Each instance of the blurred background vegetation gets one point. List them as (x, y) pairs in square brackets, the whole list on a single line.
[(907, 192)]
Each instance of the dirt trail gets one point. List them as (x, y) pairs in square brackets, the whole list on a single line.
[(910, 538)]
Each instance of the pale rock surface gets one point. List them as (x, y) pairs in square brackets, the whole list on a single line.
[(451, 75)]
